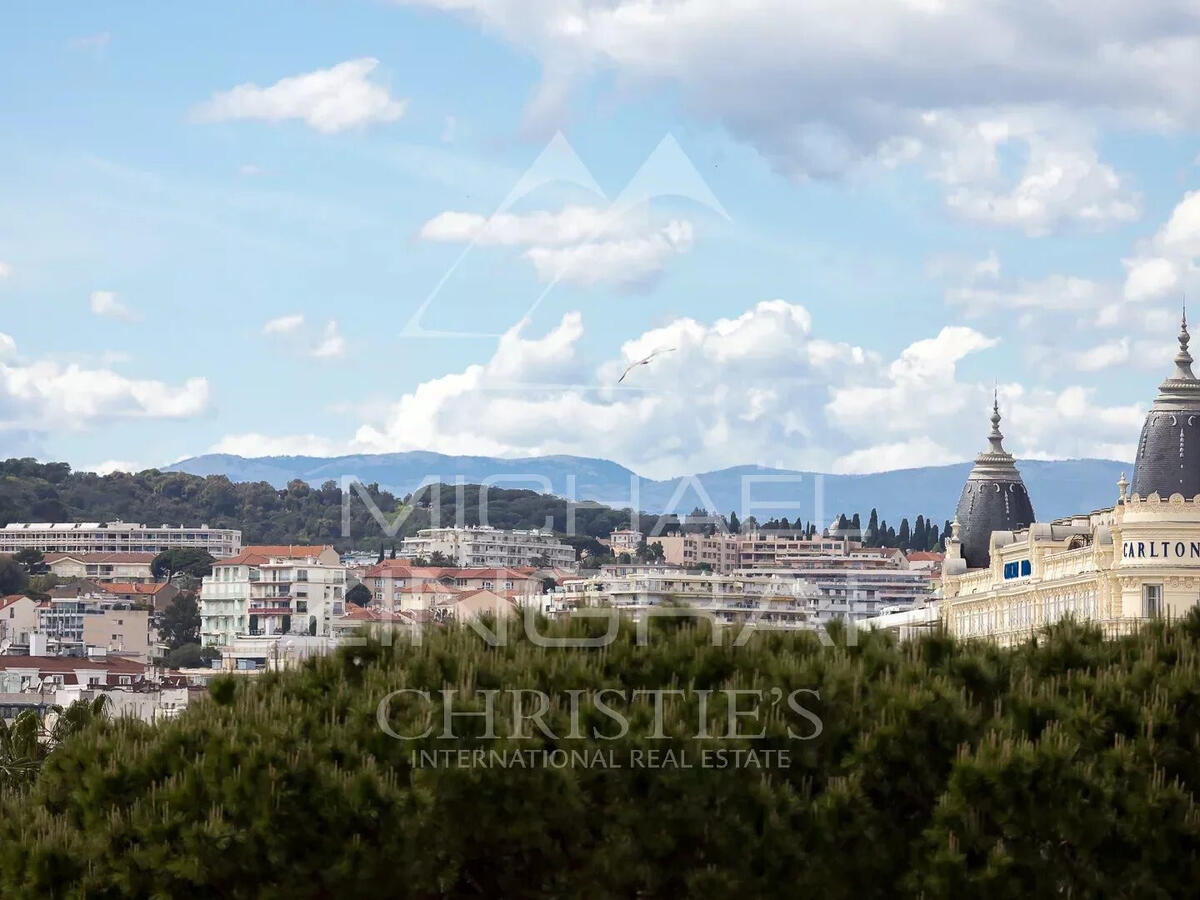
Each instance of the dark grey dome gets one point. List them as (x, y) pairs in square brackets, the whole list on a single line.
[(1168, 452), (993, 499)]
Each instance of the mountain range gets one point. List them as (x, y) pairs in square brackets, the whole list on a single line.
[(1057, 487)]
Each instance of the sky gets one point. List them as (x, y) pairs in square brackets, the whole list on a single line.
[(833, 230)]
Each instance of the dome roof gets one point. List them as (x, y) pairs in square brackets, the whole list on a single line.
[(993, 499), (1168, 452)]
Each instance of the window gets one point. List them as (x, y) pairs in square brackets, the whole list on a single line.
[(1152, 600)]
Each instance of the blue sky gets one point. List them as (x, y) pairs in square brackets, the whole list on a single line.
[(217, 222)]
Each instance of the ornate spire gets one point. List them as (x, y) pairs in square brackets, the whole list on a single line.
[(1183, 360), (995, 438)]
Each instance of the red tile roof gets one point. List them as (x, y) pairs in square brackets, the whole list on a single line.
[(261, 553), (926, 556), (8, 601), (102, 557), (64, 664), (394, 569), (121, 587)]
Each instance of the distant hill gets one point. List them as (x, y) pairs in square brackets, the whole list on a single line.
[(1058, 487)]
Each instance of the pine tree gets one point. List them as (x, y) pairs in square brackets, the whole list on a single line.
[(872, 535), (735, 526)]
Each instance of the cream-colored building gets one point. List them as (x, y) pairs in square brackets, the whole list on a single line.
[(1119, 566), (481, 546), (272, 590), (767, 601), (719, 551), (129, 568), (18, 617), (116, 537)]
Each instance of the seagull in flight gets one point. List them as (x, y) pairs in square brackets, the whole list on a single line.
[(643, 362)]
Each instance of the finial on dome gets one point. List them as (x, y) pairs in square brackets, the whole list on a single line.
[(995, 438), (1183, 359)]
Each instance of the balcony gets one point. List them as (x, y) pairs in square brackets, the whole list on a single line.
[(270, 608)]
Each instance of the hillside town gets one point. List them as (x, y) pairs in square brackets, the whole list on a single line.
[(99, 626)]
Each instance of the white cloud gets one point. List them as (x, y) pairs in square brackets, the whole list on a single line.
[(760, 387), (1165, 260), (583, 245), (915, 452), (105, 303), (5, 270), (252, 445), (328, 100), (918, 389), (628, 263), (283, 324), (821, 88), (570, 225), (331, 344), (1060, 186), (46, 394), (328, 343), (108, 467), (1103, 356)]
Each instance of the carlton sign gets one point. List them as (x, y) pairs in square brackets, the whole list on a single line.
[(1161, 551)]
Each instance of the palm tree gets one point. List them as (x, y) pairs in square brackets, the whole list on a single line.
[(25, 744)]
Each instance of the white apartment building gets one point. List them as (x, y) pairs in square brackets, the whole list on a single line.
[(482, 546), (127, 568), (272, 590), (116, 537), (625, 540), (726, 599)]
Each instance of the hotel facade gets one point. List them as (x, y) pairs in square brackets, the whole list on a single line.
[(1006, 576)]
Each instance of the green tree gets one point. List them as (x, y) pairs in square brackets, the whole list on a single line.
[(179, 624), (26, 743), (32, 560), (13, 577), (359, 595), (191, 656), (182, 561)]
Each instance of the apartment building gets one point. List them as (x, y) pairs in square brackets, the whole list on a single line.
[(116, 537), (725, 599), (721, 552), (130, 568), (272, 590), (625, 540), (771, 549), (854, 586), (84, 618), (18, 617), (486, 547), (397, 585), (40, 683)]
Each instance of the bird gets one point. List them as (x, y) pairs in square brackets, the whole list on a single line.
[(643, 362)]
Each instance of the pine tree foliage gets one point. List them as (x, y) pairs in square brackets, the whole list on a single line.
[(1066, 767)]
